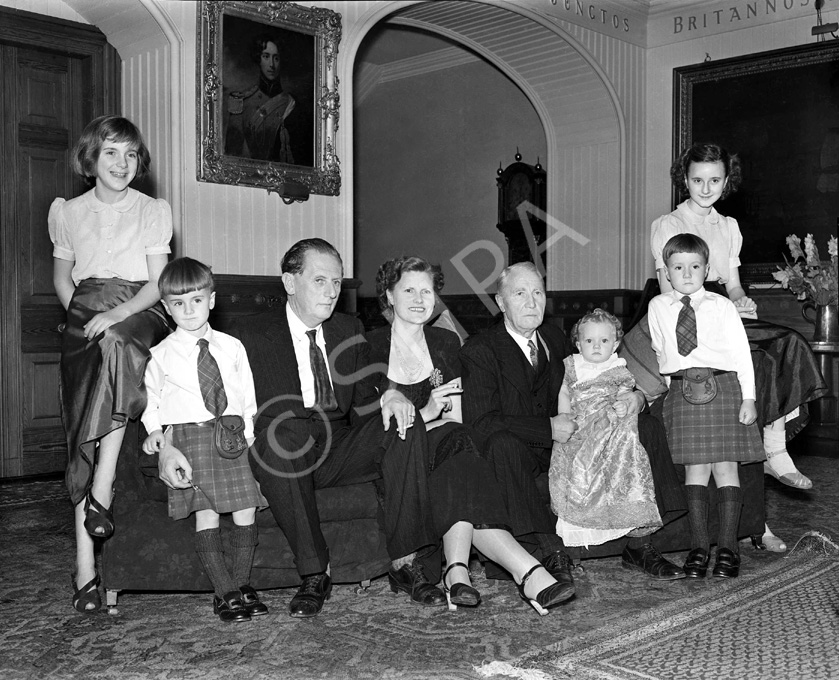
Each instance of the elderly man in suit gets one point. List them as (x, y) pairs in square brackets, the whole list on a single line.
[(321, 423), (512, 374)]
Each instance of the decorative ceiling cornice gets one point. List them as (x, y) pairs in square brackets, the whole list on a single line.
[(369, 76)]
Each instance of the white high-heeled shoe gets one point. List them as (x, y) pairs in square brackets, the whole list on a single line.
[(780, 466)]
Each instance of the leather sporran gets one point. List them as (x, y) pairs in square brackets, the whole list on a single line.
[(699, 385), (229, 436)]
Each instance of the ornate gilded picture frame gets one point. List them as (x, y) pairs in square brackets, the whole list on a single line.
[(779, 111), (267, 94)]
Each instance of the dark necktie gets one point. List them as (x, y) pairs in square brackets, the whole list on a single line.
[(534, 355), (324, 394), (209, 380), (686, 328)]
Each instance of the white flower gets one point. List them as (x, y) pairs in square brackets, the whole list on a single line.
[(831, 246), (782, 276), (794, 244), (810, 249)]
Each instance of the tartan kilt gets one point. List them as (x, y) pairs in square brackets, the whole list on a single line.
[(223, 485), (712, 432)]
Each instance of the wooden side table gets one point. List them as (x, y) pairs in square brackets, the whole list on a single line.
[(822, 433)]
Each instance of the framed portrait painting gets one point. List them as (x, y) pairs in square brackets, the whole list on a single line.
[(268, 96), (779, 111)]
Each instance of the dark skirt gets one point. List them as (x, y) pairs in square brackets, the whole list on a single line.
[(102, 379), (787, 374), (462, 486), (712, 432), (224, 485)]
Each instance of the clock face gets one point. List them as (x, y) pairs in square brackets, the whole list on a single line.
[(518, 191)]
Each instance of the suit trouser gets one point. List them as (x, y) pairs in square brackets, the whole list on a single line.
[(301, 455)]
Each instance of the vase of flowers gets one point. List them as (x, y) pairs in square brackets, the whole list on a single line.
[(814, 282)]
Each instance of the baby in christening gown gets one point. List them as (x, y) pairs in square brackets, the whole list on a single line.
[(600, 480)]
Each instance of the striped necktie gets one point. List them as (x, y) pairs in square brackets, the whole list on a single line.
[(534, 355)]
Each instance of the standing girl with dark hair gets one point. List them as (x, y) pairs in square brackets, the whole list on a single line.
[(786, 372), (109, 247)]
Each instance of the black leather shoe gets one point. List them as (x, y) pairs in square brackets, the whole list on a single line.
[(250, 599), (727, 564), (230, 608), (696, 564), (311, 595), (547, 597), (650, 561), (411, 579), (558, 565)]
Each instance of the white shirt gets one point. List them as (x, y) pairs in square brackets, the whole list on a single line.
[(522, 341), (174, 395), (721, 339), (301, 351)]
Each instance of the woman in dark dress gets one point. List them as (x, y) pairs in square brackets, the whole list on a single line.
[(422, 362)]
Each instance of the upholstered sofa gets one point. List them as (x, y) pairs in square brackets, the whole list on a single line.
[(151, 552)]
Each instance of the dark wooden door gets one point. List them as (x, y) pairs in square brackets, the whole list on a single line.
[(55, 76)]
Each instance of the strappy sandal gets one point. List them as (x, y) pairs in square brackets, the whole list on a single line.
[(460, 593), (87, 594), (547, 598), (98, 520)]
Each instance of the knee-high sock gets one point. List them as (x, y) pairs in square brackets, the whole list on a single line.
[(211, 553), (697, 499), (243, 542), (729, 504)]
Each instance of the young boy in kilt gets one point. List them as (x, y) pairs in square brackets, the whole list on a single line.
[(193, 377), (709, 412)]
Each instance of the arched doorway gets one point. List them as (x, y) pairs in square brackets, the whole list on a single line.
[(433, 122), (577, 107)]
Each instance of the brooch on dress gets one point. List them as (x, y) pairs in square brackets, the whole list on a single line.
[(436, 378)]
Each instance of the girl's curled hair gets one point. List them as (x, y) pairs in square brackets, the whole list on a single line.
[(707, 153)]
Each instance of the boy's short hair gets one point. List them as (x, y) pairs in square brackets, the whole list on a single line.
[(184, 275), (86, 152), (597, 316), (685, 243)]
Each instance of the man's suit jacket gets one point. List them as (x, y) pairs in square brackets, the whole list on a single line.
[(500, 391), (267, 340)]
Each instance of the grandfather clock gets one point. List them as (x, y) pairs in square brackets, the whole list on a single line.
[(519, 183)]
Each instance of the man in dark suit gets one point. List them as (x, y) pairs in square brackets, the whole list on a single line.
[(322, 424), (512, 374)]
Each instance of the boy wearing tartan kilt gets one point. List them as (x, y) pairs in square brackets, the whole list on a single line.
[(709, 411), (195, 376)]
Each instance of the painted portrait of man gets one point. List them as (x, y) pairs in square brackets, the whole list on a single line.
[(268, 92)]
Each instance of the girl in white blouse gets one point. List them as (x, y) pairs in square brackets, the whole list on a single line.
[(786, 370), (109, 247)]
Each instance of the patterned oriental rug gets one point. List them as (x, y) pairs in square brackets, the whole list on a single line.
[(782, 621)]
